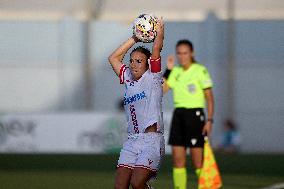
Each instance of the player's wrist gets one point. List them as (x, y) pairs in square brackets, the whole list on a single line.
[(135, 39), (210, 120), (167, 73)]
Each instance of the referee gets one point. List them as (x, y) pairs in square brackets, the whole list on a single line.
[(192, 90)]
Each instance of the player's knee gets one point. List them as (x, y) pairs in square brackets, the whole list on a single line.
[(197, 165), (179, 165), (137, 184), (120, 186), (179, 162)]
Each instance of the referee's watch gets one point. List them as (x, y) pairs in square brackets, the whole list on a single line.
[(211, 120)]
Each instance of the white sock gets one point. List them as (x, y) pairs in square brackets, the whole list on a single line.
[(149, 187)]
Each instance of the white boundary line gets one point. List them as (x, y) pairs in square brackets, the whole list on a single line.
[(275, 186)]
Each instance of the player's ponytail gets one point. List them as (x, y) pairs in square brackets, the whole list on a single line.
[(189, 44)]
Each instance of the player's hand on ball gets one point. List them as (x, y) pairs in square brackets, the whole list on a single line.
[(160, 27), (207, 128), (170, 62)]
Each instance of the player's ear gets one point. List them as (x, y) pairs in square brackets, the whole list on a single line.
[(147, 63)]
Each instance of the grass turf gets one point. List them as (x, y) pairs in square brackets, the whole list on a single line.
[(97, 171)]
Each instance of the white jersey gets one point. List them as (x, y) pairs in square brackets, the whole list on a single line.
[(142, 100)]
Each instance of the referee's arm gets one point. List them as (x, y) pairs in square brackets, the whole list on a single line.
[(210, 110), (210, 102), (166, 87), (170, 66)]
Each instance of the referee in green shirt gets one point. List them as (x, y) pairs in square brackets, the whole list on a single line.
[(192, 91)]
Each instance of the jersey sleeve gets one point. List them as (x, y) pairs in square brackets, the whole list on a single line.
[(155, 70), (155, 65), (124, 74), (205, 78)]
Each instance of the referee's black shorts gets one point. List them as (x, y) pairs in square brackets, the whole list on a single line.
[(186, 127)]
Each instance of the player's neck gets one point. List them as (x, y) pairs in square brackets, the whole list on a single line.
[(187, 66)]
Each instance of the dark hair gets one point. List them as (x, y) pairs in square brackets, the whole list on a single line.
[(230, 124), (143, 50), (188, 43)]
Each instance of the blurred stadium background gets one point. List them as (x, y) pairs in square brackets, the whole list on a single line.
[(61, 124)]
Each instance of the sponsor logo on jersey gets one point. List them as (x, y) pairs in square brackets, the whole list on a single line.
[(134, 98), (131, 83), (134, 119)]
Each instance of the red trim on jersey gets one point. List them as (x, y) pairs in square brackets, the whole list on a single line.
[(136, 166), (125, 166), (121, 73), (155, 65), (145, 167)]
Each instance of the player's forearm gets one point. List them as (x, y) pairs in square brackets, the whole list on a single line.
[(157, 46), (210, 110), (158, 42), (115, 59), (210, 104), (155, 61), (166, 87), (119, 53)]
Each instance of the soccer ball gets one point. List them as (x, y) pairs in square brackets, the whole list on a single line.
[(145, 28)]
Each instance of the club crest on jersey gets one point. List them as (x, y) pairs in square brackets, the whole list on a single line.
[(131, 83), (134, 98), (193, 141), (192, 88)]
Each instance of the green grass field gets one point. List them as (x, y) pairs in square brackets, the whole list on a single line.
[(97, 171)]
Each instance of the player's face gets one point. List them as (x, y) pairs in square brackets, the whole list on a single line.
[(138, 64), (184, 54)]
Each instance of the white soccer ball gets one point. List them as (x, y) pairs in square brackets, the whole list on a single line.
[(145, 28)]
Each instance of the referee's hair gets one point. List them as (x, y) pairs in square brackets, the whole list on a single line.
[(189, 44), (185, 42)]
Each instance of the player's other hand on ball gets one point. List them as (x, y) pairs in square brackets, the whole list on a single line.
[(135, 39), (170, 62)]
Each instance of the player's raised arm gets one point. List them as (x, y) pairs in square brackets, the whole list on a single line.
[(170, 67), (158, 42), (155, 61), (115, 59)]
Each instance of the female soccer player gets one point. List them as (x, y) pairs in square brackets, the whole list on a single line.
[(192, 86), (141, 154)]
